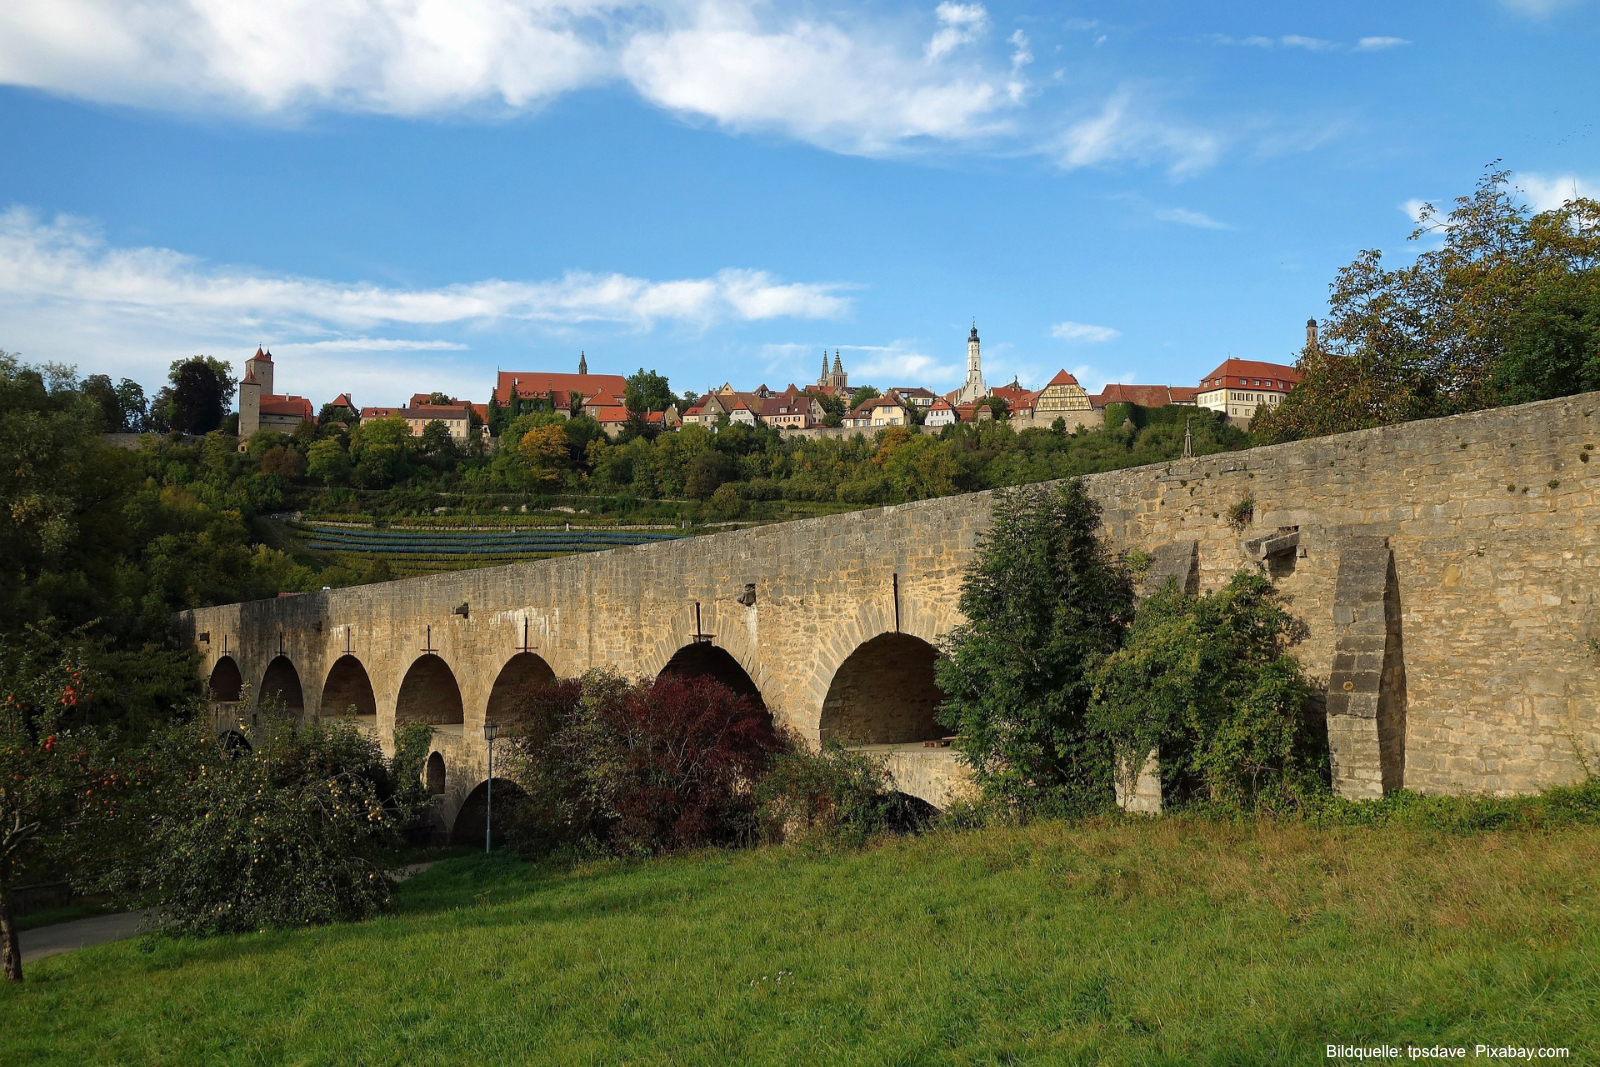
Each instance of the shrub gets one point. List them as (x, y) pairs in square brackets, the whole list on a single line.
[(839, 795), (1045, 600), (1209, 683), (286, 832), (640, 767)]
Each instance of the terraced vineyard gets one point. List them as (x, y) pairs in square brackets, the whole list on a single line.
[(414, 551)]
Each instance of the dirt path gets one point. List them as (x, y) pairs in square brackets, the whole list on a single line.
[(101, 929)]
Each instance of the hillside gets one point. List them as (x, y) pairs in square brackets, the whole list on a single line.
[(1171, 942)]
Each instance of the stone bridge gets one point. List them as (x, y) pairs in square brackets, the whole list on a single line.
[(1446, 570)]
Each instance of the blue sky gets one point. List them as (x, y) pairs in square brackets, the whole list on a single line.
[(403, 195)]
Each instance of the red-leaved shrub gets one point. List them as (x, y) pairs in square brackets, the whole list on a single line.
[(638, 767)]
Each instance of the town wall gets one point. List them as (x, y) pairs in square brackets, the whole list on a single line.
[(1489, 522)]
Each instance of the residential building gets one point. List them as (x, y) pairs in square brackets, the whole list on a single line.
[(791, 411), (940, 413), (456, 416), (1238, 387), (914, 396), (1061, 395), (883, 411)]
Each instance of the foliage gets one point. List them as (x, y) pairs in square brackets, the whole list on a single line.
[(1501, 311), (1044, 600), (288, 832), (638, 767), (837, 796), (201, 393), (647, 391), (1209, 684)]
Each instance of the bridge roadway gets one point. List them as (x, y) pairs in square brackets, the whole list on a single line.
[(1447, 573)]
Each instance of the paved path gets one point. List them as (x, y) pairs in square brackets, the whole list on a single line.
[(45, 941), (80, 933)]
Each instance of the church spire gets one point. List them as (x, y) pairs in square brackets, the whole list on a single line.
[(583, 363)]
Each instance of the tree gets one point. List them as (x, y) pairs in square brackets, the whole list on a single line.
[(543, 451), (1434, 338), (647, 391), (1555, 343), (707, 471), (330, 414), (197, 402), (283, 462), (436, 444), (1209, 684), (1044, 600), (102, 396), (862, 395)]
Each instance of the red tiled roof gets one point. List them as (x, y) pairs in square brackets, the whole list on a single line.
[(1253, 371), (543, 385), (265, 357), (343, 400), (1063, 378), (290, 406)]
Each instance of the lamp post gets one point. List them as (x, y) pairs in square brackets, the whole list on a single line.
[(490, 732)]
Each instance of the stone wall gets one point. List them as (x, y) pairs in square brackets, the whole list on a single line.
[(1490, 520)]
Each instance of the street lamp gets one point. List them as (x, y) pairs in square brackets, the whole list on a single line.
[(490, 732)]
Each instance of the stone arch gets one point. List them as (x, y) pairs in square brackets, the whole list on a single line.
[(348, 686), (468, 827), (433, 774), (521, 672), (429, 694), (702, 659), (884, 693), (234, 743), (928, 620), (226, 683), (281, 685)]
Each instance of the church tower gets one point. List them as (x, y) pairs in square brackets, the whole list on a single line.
[(973, 389), (583, 364)]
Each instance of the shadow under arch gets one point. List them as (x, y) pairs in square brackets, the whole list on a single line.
[(429, 694), (433, 774), (884, 693), (348, 691), (522, 672), (471, 816), (281, 685), (226, 682), (702, 659)]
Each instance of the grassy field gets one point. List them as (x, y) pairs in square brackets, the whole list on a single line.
[(1169, 942)]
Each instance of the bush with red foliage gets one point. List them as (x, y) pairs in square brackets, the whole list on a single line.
[(638, 767)]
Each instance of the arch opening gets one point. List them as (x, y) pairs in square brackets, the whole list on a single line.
[(884, 693), (429, 694), (705, 660), (226, 683), (348, 691), (522, 673), (234, 744), (470, 820), (433, 774), (281, 686)]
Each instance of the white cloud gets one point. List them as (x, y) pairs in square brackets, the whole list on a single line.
[(841, 79), (959, 24), (1546, 192), (1374, 44), (65, 260), (813, 81), (1185, 217), (66, 295), (1415, 207), (898, 363), (1122, 131), (370, 344), (1022, 52), (1083, 333), (1310, 44), (1539, 9)]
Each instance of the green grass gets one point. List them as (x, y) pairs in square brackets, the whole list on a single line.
[(1175, 941)]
